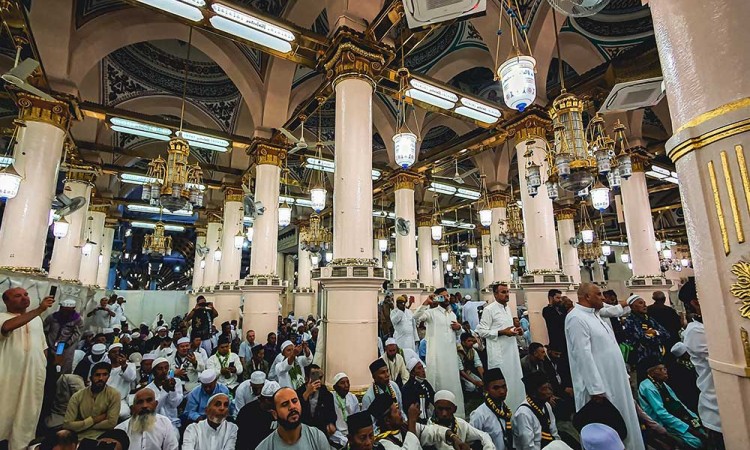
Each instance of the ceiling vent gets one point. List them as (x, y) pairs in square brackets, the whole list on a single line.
[(634, 95), (420, 13)]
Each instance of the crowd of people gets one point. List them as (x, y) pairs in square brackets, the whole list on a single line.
[(453, 373)]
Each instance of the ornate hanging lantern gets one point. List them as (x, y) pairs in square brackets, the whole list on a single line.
[(157, 242), (285, 214), (436, 229), (518, 81), (60, 228), (485, 212), (404, 141), (315, 238), (600, 197)]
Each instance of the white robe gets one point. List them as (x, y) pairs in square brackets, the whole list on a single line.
[(410, 442), (200, 436), (502, 351), (215, 363), (162, 437), (404, 328), (434, 435), (470, 313), (280, 369), (697, 347), (351, 405), (527, 431), (169, 401), (597, 367), (243, 395), (23, 369), (442, 357), (484, 419)]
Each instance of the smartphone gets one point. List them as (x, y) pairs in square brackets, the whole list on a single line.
[(60, 348), (439, 299), (299, 339), (52, 291), (315, 376), (231, 364), (171, 373)]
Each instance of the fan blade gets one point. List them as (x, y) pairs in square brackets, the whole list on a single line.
[(23, 70), (326, 143), (39, 93), (295, 149), (289, 135)]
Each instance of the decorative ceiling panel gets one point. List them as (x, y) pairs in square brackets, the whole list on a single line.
[(87, 10), (436, 136), (445, 41)]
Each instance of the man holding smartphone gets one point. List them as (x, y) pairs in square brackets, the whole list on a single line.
[(318, 409), (63, 329)]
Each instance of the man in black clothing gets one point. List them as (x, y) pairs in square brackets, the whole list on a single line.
[(418, 390), (666, 316), (316, 402), (554, 317), (254, 419), (270, 351), (201, 318)]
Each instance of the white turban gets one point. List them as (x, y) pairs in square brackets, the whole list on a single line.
[(68, 303), (135, 335), (412, 363), (597, 436), (269, 388), (257, 377), (207, 376), (339, 376), (445, 395), (158, 361), (285, 344), (560, 445), (98, 349), (149, 357), (183, 340), (114, 346), (633, 298), (390, 341)]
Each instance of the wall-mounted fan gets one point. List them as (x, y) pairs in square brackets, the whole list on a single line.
[(579, 8), (252, 208), (64, 205), (202, 250), (402, 226), (575, 241), (19, 75)]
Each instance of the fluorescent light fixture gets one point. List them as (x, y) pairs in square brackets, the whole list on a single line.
[(468, 193), (247, 219), (442, 188), (156, 210), (660, 170), (427, 98), (384, 214), (187, 9), (151, 226), (206, 142), (134, 178), (656, 175), (481, 108), (431, 94), (5, 161), (303, 202), (251, 28), (672, 180), (146, 134), (139, 126), (474, 114), (326, 165)]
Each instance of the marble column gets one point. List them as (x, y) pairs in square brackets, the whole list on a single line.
[(102, 273), (708, 93), (213, 242), (424, 250), (262, 287), (566, 229), (66, 253), (227, 294), (304, 297), (199, 266), (23, 234), (500, 253), (405, 276), (94, 229), (488, 264), (437, 271), (350, 300)]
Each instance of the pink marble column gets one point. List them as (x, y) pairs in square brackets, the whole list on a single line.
[(566, 229), (66, 252), (94, 228), (639, 223), (500, 253)]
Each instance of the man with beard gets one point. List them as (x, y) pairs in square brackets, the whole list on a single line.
[(493, 416), (168, 390), (445, 410), (122, 377), (214, 433), (226, 363), (418, 390), (316, 402), (97, 355), (534, 422), (102, 315), (554, 318), (395, 362), (22, 366), (361, 434), (96, 408), (64, 326), (146, 429), (197, 399), (292, 433), (382, 385), (404, 327), (647, 337), (187, 364), (442, 358), (249, 390), (255, 420), (346, 405), (289, 366)]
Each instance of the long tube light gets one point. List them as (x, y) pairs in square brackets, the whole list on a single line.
[(156, 210), (151, 226), (468, 193), (206, 142), (187, 9), (134, 178), (5, 161), (251, 28), (159, 133), (433, 95), (326, 165), (478, 111)]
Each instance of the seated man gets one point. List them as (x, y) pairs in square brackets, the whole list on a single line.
[(95, 409), (289, 366), (122, 378), (255, 420), (395, 362), (226, 363), (346, 405), (361, 435), (317, 402), (146, 429), (168, 390), (469, 364), (214, 433), (418, 390), (65, 387), (659, 401), (197, 399), (187, 363), (382, 385), (533, 422), (445, 410), (291, 433), (249, 390), (493, 416)]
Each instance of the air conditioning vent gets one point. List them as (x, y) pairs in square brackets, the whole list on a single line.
[(420, 13), (634, 95)]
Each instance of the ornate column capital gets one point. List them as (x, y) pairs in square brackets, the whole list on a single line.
[(82, 173), (267, 151), (533, 125), (498, 199), (640, 162), (200, 232), (405, 180), (424, 220), (36, 109), (565, 213), (232, 193), (484, 231), (214, 217), (352, 55), (99, 206)]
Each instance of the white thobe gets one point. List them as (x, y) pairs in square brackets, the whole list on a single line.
[(527, 431), (502, 351), (484, 419), (397, 368), (404, 328), (410, 442), (345, 407), (597, 367), (281, 368), (124, 381), (162, 437), (216, 364), (243, 395), (442, 357), (697, 347), (169, 401), (116, 321), (470, 313), (434, 435), (201, 436), (23, 369), (193, 371)]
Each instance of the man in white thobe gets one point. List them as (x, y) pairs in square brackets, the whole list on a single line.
[(214, 433), (497, 328), (169, 391), (346, 405), (442, 358), (470, 311), (404, 326), (445, 408), (596, 364), (22, 367), (123, 377), (146, 429), (395, 362)]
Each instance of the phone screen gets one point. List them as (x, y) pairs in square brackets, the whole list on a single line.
[(60, 348), (315, 376), (52, 291)]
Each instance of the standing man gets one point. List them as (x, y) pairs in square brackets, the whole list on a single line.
[(554, 317), (493, 416), (22, 367), (442, 359), (497, 328), (292, 433), (404, 327), (666, 316), (64, 326), (597, 368), (470, 311), (148, 430), (117, 307), (201, 318), (96, 408)]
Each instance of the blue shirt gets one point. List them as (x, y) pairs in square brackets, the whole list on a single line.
[(197, 400), (246, 351), (423, 350)]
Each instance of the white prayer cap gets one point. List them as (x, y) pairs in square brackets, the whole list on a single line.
[(136, 358), (445, 395), (218, 394), (98, 349), (68, 303), (158, 361), (285, 344), (409, 354), (149, 357), (560, 445), (679, 349), (412, 363), (257, 377), (207, 376), (108, 330), (114, 346), (161, 328), (269, 388), (633, 298), (339, 376), (135, 335), (390, 341), (183, 340), (597, 436), (467, 297)]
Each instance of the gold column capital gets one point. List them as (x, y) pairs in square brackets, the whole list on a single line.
[(200, 232), (405, 180), (99, 207), (36, 109), (351, 54), (214, 217), (498, 199), (83, 173), (424, 220), (533, 125), (232, 193), (639, 161), (267, 151), (484, 231), (565, 213)]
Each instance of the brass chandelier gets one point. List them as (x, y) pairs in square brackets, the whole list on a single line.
[(157, 243), (315, 238)]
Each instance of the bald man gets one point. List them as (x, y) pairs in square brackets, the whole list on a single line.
[(22, 367), (146, 429), (596, 364)]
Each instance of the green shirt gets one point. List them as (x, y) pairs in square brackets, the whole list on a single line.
[(84, 406)]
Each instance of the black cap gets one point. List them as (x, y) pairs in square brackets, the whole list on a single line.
[(493, 375), (357, 421), (118, 435), (224, 340), (380, 407), (376, 365), (600, 412), (533, 381)]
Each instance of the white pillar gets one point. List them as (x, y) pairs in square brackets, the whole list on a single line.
[(263, 256), (500, 253), (488, 263), (198, 271), (23, 234), (437, 271), (102, 273), (406, 245), (213, 241), (566, 229), (639, 223), (424, 237), (95, 228), (231, 256), (376, 253), (66, 253)]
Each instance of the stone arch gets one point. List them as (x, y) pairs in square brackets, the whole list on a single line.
[(579, 52), (459, 61), (95, 40), (385, 124)]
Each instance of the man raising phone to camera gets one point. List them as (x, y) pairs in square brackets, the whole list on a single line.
[(201, 318), (22, 366)]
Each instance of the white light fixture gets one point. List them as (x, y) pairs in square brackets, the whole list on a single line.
[(251, 28), (433, 95), (318, 198), (329, 256), (187, 9), (389, 264), (518, 81), (468, 271), (666, 253), (382, 244), (685, 262), (249, 233), (157, 210), (480, 270), (658, 245), (405, 149), (437, 232), (468, 193), (449, 267), (606, 250), (60, 229), (625, 257), (203, 263), (600, 197), (314, 259), (217, 254), (325, 165), (239, 239), (630, 266), (587, 236), (5, 161), (151, 226), (204, 141), (10, 182), (473, 252), (101, 258), (470, 264), (86, 248), (478, 111), (285, 215), (136, 128), (485, 217), (442, 188), (444, 256)]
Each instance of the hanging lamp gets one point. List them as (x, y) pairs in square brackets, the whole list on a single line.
[(404, 141), (516, 74)]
